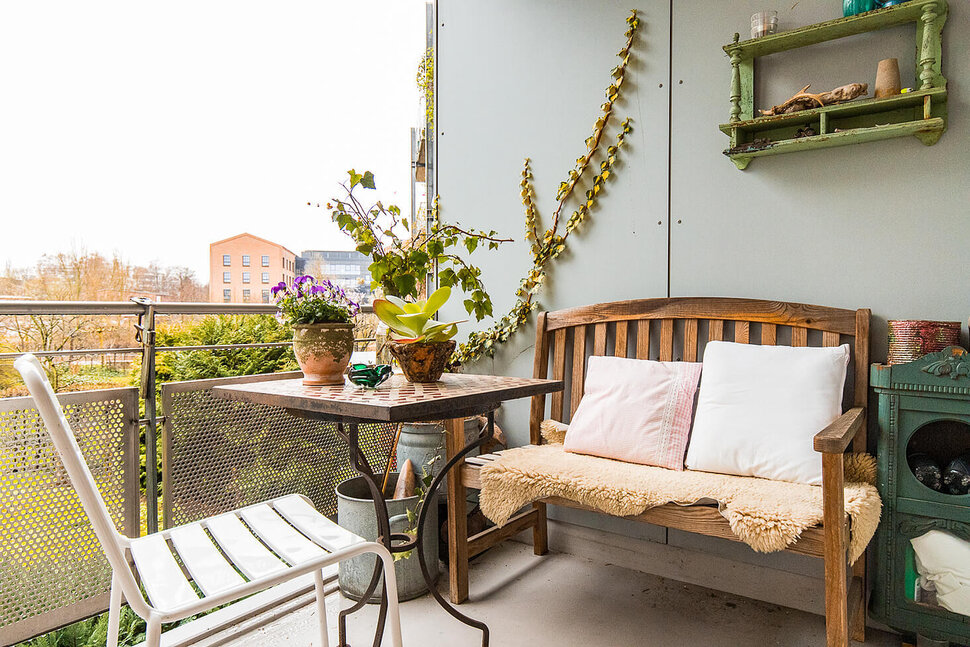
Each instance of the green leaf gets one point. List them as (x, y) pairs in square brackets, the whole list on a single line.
[(367, 181), (400, 303), (438, 298), (405, 284), (470, 244)]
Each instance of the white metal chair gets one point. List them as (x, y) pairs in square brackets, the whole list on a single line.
[(254, 548)]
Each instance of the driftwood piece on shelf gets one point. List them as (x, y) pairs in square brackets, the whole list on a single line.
[(405, 481), (803, 100)]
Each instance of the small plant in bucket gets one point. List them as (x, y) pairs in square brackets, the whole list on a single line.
[(321, 315), (420, 344)]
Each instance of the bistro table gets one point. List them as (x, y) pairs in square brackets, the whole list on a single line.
[(452, 399)]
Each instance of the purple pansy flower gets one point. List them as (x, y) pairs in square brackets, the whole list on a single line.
[(307, 300)]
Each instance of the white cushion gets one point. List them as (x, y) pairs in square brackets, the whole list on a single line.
[(638, 411), (943, 562), (759, 408)]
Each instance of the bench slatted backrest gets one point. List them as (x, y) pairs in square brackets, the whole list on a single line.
[(678, 329)]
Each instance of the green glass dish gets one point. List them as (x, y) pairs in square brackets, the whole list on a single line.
[(368, 375)]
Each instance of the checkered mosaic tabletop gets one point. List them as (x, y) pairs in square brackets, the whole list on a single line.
[(394, 399)]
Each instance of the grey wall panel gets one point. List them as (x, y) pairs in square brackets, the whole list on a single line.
[(881, 225), (526, 79)]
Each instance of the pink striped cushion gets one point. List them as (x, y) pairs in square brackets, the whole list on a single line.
[(638, 411)]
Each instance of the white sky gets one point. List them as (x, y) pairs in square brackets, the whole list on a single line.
[(154, 128)]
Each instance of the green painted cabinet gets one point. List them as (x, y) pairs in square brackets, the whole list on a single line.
[(923, 407)]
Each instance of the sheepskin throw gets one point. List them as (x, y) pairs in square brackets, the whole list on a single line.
[(767, 515)]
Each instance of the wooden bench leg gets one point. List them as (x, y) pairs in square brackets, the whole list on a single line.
[(858, 606), (540, 531), (836, 566), (457, 515)]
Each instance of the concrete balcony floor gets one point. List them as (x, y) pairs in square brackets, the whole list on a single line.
[(561, 600)]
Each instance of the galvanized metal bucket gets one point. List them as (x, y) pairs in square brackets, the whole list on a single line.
[(355, 512), (422, 442)]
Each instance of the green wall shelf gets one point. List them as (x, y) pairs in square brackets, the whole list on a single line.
[(921, 113)]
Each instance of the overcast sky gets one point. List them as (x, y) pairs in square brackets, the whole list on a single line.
[(154, 128)]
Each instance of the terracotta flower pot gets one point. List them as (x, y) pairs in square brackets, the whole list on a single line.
[(423, 361), (323, 351)]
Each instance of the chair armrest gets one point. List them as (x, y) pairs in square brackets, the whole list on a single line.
[(837, 436)]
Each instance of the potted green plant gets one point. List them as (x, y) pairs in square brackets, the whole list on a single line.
[(421, 345), (320, 314), (402, 259)]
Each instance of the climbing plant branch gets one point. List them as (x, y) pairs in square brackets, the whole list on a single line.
[(551, 243)]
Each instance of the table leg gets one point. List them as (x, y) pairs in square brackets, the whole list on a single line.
[(455, 431), (349, 431), (457, 516)]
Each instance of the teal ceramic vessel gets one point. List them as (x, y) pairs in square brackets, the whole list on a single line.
[(853, 7)]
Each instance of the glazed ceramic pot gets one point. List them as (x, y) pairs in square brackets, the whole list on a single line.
[(323, 351), (422, 361)]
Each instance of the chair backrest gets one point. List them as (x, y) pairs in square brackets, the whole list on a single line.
[(77, 470), (678, 329)]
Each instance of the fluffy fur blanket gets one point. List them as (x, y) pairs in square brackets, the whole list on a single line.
[(766, 515)]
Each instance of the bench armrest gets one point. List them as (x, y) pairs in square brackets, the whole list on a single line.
[(837, 436)]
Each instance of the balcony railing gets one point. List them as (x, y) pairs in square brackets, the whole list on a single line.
[(216, 455)]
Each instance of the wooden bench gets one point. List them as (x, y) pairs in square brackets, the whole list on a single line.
[(673, 330)]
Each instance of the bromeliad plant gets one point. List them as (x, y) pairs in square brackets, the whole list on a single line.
[(412, 322), (421, 345), (306, 301)]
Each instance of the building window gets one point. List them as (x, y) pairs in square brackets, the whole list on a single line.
[(246, 294), (265, 296), (226, 260), (265, 277), (227, 295), (227, 277), (245, 277), (245, 260), (265, 261)]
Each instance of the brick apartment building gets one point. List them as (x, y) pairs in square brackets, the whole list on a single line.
[(243, 268)]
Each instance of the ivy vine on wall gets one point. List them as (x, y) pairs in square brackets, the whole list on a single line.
[(551, 243), (425, 81)]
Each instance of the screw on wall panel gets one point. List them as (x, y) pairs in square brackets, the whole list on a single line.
[(679, 221), (661, 85), (681, 82), (660, 222)]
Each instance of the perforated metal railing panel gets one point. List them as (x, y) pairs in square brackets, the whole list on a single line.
[(218, 455), (52, 570)]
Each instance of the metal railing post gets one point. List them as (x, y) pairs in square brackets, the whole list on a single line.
[(145, 333)]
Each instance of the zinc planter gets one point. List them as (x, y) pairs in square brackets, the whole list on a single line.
[(323, 351), (422, 361), (355, 512), (421, 442)]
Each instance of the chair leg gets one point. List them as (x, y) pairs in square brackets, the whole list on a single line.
[(390, 587), (321, 609), (114, 612), (153, 636)]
